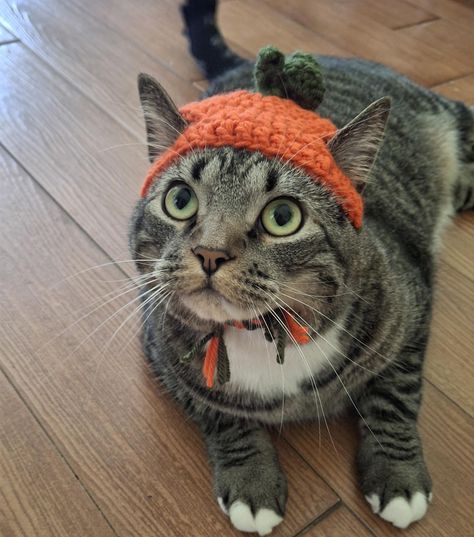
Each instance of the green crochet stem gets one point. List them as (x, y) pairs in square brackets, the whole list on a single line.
[(297, 77)]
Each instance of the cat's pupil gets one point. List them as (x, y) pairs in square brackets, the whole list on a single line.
[(182, 197), (282, 214)]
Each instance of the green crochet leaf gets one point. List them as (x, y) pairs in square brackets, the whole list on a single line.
[(297, 77)]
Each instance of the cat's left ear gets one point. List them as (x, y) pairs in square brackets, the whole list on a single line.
[(355, 146), (163, 121)]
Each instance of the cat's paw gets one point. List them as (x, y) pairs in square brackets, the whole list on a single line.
[(401, 511), (243, 519), (398, 493), (253, 498)]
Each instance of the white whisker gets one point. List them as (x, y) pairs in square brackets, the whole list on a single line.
[(311, 376), (341, 328), (282, 375), (296, 314), (89, 336), (125, 321), (77, 321), (118, 262), (342, 384)]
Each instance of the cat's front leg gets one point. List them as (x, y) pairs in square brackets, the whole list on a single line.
[(248, 481), (393, 473)]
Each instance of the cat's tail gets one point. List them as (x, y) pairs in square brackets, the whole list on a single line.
[(205, 41)]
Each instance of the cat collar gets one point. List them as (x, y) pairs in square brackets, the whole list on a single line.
[(276, 326)]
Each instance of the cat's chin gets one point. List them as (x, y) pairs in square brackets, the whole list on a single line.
[(210, 305)]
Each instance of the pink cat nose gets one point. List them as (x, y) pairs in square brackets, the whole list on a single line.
[(210, 259)]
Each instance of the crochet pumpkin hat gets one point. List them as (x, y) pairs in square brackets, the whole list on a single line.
[(278, 121)]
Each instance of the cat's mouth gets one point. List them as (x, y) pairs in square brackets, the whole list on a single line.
[(210, 304)]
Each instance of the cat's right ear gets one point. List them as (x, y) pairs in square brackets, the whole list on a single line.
[(163, 121)]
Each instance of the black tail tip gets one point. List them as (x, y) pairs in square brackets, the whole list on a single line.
[(205, 41)]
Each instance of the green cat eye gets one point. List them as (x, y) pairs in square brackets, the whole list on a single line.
[(181, 202), (282, 217)]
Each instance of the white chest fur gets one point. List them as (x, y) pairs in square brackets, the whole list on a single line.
[(254, 368)]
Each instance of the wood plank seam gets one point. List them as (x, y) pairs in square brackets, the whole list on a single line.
[(455, 79), (53, 444), (319, 518), (292, 447), (63, 209), (333, 508), (232, 43), (143, 49), (452, 401), (384, 55), (295, 20), (78, 88), (419, 23)]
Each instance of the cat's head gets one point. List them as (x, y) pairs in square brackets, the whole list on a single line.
[(227, 233)]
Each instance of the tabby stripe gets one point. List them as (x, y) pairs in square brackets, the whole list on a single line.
[(235, 450), (240, 461), (397, 457), (409, 388), (390, 399), (387, 415), (341, 260), (272, 178), (411, 367), (398, 447), (379, 433), (243, 434)]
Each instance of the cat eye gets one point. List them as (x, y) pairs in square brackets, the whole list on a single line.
[(282, 217), (180, 202)]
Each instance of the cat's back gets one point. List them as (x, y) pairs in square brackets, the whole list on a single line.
[(410, 190)]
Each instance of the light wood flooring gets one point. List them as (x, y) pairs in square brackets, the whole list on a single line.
[(90, 445)]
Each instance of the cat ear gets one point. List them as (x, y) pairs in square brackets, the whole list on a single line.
[(355, 146), (163, 121)]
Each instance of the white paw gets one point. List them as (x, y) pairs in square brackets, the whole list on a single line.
[(242, 519), (399, 511)]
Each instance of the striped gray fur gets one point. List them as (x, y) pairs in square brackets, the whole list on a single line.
[(376, 284)]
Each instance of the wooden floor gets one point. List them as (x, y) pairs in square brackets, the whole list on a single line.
[(90, 446)]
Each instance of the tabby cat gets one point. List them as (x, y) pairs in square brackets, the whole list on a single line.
[(240, 250)]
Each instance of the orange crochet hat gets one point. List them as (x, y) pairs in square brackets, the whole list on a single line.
[(275, 126)]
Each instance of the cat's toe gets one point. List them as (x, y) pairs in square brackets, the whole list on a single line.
[(266, 520), (374, 502), (400, 511), (262, 523), (241, 517)]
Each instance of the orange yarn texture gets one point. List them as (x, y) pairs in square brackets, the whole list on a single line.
[(210, 361), (274, 126)]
